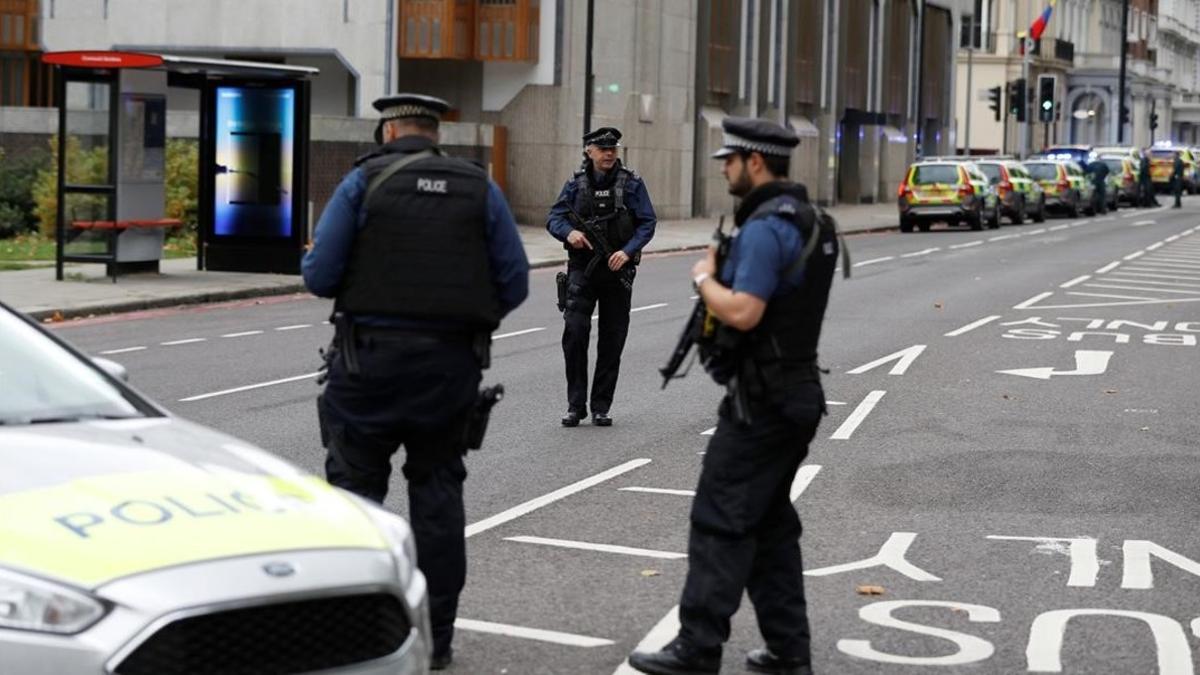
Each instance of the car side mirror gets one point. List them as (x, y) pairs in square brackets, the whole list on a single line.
[(113, 368)]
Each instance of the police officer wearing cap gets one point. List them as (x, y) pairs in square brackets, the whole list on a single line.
[(614, 200), (422, 256), (769, 297)]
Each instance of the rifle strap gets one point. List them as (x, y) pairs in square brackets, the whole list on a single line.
[(395, 168)]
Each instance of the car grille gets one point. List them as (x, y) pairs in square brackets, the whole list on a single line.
[(278, 639)]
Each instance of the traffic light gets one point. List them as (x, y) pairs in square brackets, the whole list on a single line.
[(994, 101), (1153, 121), (1046, 85), (1016, 99), (1124, 115)]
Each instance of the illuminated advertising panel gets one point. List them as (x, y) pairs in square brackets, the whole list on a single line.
[(255, 142)]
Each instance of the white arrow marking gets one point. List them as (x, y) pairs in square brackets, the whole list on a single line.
[(903, 358), (1087, 362)]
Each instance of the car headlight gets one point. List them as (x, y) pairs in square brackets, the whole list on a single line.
[(27, 603), (399, 536)]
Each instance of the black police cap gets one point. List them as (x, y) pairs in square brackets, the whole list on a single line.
[(604, 137), (747, 134), (401, 106)]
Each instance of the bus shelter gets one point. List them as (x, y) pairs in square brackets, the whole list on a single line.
[(252, 173)]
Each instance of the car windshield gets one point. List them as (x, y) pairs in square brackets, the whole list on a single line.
[(1044, 171), (992, 171), (1115, 165), (935, 173), (1163, 154), (40, 382)]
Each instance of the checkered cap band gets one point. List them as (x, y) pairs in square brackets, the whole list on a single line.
[(409, 110), (743, 143)]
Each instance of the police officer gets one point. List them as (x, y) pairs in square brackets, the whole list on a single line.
[(1099, 171), (1177, 180), (422, 256), (604, 218), (769, 297), (1146, 182)]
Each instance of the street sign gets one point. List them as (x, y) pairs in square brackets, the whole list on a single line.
[(102, 59)]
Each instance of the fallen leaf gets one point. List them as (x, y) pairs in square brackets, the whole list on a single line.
[(57, 317), (937, 305), (1145, 428), (1006, 397), (1110, 391), (870, 590), (650, 573)]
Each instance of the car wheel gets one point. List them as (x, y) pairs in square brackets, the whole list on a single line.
[(975, 220), (924, 227), (1018, 216), (1040, 215), (906, 224), (1073, 206), (994, 219)]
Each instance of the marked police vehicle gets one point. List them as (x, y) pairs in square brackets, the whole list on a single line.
[(135, 543)]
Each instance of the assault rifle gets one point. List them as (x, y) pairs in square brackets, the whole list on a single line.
[(700, 324), (595, 235)]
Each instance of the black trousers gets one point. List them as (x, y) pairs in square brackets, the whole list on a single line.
[(414, 391), (1177, 188), (583, 295), (745, 531)]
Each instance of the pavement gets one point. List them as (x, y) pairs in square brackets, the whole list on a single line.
[(87, 291)]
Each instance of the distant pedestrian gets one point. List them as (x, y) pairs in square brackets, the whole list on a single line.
[(1177, 180), (1146, 197)]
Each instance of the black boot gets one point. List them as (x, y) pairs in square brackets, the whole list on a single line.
[(601, 420), (764, 661), (442, 661), (571, 419), (676, 659)]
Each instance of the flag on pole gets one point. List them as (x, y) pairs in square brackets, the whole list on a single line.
[(1039, 24)]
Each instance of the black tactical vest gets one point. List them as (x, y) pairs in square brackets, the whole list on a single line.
[(784, 343), (606, 202), (422, 253)]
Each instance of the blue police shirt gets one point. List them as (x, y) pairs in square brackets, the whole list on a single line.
[(637, 200), (762, 250), (325, 264)]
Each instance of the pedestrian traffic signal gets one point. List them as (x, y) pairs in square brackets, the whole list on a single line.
[(1153, 121), (1046, 85), (1016, 99), (994, 101)]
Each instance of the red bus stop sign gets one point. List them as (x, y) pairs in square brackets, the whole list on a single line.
[(101, 59)]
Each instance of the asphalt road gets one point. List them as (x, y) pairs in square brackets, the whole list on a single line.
[(1037, 521)]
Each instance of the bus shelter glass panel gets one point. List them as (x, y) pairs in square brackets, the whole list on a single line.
[(88, 206)]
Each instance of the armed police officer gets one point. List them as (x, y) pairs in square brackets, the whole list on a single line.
[(422, 256), (769, 298), (604, 218), (1177, 169)]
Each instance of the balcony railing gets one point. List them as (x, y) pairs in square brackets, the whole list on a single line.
[(1064, 50)]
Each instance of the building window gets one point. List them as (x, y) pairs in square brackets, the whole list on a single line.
[(514, 29), (437, 29), (805, 46), (724, 22), (24, 79)]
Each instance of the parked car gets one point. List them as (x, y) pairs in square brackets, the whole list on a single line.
[(946, 190), (1081, 155), (1122, 178), (134, 542), (1066, 188), (1018, 193), (1127, 151), (1162, 167)]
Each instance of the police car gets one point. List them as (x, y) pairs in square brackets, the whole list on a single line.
[(133, 542)]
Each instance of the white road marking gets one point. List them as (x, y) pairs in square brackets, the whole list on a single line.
[(1003, 237), (660, 491), (969, 244), (927, 251), (1196, 627), (1154, 247), (804, 477), (295, 327), (1138, 280), (1131, 272), (903, 358), (1034, 232), (1171, 256), (890, 555), (658, 637), (1109, 267), (835, 403), (1043, 653), (602, 548), (1138, 301), (1136, 254), (125, 350), (1171, 238), (242, 334), (248, 387), (856, 418), (873, 261), (561, 493), (1075, 281), (1136, 288), (1034, 300), (527, 331), (555, 637), (1171, 265), (1085, 563), (708, 432), (185, 341), (972, 326), (1106, 219), (1142, 223), (654, 306), (1056, 228), (1087, 362), (1166, 274)]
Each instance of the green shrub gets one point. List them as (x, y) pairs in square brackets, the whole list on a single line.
[(84, 167), (183, 166), (17, 177)]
